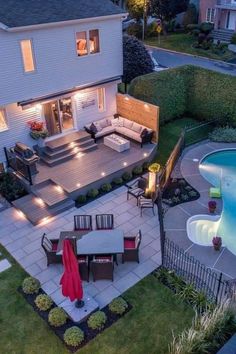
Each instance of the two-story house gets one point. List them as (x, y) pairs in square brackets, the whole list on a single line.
[(60, 62), (222, 13)]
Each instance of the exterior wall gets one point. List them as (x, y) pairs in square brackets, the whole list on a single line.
[(204, 5), (58, 67)]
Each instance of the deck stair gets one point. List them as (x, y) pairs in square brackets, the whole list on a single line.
[(223, 35), (65, 148), (47, 200)]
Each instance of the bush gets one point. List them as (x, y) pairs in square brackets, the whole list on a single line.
[(92, 193), (97, 320), (107, 187), (223, 134), (151, 30), (118, 306), (191, 15), (127, 176), (233, 40), (30, 285), (43, 302), (57, 317), (138, 170), (81, 199), (206, 27), (135, 29), (10, 187), (73, 336), (118, 181)]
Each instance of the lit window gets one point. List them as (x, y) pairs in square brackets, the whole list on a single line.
[(81, 43), (3, 121), (94, 41), (101, 99), (27, 55), (210, 15)]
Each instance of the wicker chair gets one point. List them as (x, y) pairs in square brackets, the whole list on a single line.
[(105, 221), (131, 248), (83, 262), (83, 222), (137, 188), (102, 267), (50, 248)]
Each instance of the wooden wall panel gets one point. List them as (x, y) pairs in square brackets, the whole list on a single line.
[(139, 112)]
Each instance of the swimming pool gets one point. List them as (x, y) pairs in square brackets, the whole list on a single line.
[(219, 169)]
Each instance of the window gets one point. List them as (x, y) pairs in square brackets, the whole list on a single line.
[(3, 121), (83, 46), (81, 43), (210, 15), (94, 41), (101, 99), (27, 55)]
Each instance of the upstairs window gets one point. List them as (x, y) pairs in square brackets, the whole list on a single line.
[(87, 43), (27, 55), (3, 120), (210, 15)]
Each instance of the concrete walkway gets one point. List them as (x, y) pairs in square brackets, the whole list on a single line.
[(176, 217)]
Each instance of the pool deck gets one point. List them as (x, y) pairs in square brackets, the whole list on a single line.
[(176, 217)]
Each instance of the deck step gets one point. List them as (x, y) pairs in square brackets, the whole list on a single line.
[(223, 35), (76, 147), (36, 213), (59, 143)]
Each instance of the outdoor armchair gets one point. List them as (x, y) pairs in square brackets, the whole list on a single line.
[(102, 267), (131, 248), (137, 188), (50, 248), (83, 222)]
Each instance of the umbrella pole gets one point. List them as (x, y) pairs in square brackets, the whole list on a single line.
[(79, 304)]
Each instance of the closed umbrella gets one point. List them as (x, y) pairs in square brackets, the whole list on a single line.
[(70, 280)]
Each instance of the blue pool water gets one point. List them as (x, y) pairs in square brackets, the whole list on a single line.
[(219, 169)]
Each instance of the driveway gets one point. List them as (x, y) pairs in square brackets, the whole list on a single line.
[(170, 59)]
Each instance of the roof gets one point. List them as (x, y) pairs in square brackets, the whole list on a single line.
[(20, 13)]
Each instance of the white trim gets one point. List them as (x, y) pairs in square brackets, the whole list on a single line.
[(5, 116), (210, 14), (33, 56)]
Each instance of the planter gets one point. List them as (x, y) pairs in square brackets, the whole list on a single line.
[(217, 243), (212, 206), (217, 247)]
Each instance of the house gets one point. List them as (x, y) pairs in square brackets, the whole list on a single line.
[(60, 64), (222, 13)]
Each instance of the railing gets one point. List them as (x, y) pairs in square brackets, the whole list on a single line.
[(193, 272), (17, 165)]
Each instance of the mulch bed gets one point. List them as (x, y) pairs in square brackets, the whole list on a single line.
[(89, 334), (179, 191)]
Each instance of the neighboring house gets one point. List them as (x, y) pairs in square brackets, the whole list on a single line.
[(222, 13), (60, 63)]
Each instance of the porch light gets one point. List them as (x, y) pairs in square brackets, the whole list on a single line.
[(38, 107), (125, 163), (59, 189)]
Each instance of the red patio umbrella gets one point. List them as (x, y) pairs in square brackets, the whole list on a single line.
[(70, 280)]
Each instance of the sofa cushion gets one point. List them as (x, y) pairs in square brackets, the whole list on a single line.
[(129, 244), (129, 133), (121, 121), (128, 123), (115, 122), (137, 128), (105, 131), (103, 123), (98, 126)]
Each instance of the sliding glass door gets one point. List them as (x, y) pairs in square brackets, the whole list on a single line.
[(58, 116)]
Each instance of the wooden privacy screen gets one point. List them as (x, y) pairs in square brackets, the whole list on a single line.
[(139, 112)]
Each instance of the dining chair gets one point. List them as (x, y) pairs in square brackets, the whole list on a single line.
[(104, 221), (83, 262), (102, 267), (131, 248), (50, 248), (147, 202), (83, 222), (137, 188)]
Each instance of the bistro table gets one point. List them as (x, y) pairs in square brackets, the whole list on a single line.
[(95, 242)]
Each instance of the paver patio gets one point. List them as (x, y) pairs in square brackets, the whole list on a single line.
[(23, 241)]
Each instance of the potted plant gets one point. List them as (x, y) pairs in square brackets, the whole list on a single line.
[(217, 243), (38, 132), (211, 206)]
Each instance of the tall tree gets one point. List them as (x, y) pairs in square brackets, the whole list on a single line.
[(136, 8), (167, 10)]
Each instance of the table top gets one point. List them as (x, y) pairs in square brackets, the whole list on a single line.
[(95, 242), (116, 139)]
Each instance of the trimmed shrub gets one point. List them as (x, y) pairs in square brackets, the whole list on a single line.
[(233, 40), (97, 320), (73, 336), (107, 187), (223, 134), (118, 181), (92, 193), (118, 306), (135, 29), (43, 302), (57, 317), (127, 176), (30, 285), (138, 170), (10, 187), (81, 199)]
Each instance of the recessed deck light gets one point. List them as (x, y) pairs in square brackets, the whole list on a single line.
[(195, 160), (125, 163), (103, 174), (78, 185), (59, 189), (145, 154), (39, 201)]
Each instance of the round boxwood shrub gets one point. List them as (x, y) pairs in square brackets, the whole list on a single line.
[(73, 336), (118, 306), (107, 187), (92, 193), (97, 320), (30, 285), (57, 317), (118, 181), (138, 170), (43, 302), (81, 199), (127, 176)]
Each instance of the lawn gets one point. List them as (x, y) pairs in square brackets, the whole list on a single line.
[(146, 329), (182, 42)]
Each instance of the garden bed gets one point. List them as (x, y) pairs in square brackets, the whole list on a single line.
[(89, 334), (179, 191), (10, 188)]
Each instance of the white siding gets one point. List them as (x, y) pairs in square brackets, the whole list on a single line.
[(57, 65)]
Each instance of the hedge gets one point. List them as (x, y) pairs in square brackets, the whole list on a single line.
[(189, 90)]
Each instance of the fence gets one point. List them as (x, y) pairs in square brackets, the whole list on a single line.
[(192, 271), (17, 165)]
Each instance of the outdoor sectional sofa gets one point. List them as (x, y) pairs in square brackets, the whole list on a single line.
[(122, 126)]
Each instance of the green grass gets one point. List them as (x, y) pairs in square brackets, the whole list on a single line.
[(147, 328), (182, 42)]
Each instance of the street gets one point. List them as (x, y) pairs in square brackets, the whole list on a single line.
[(171, 60)]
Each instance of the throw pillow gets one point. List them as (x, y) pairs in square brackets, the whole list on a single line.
[(109, 121), (103, 123), (93, 128), (98, 126), (144, 133), (121, 122), (128, 123), (115, 122)]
